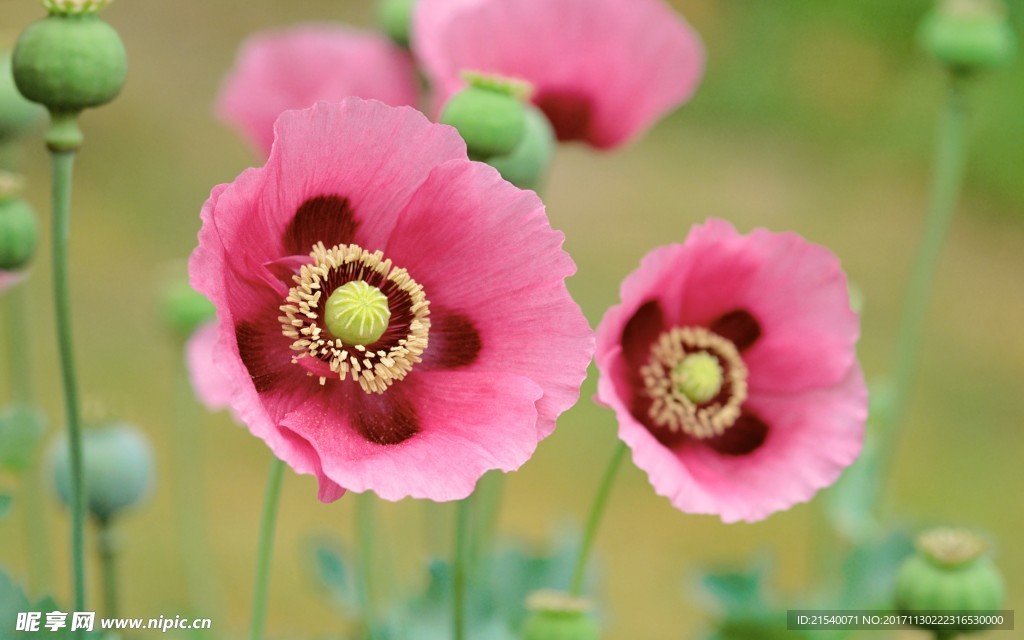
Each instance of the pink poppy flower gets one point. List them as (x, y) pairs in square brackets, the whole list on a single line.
[(603, 70), (10, 278), (467, 346), (731, 367), (296, 67)]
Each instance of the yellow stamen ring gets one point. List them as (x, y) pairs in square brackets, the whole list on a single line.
[(667, 381), (375, 366)]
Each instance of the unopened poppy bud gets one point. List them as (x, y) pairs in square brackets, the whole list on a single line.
[(559, 616), (185, 309), (18, 229), (951, 571), (969, 35), (17, 115), (489, 114), (118, 469), (528, 164), (395, 19), (67, 62)]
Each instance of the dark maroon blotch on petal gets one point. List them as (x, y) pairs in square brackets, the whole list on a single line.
[(739, 327), (385, 419), (454, 341), (327, 219), (640, 333), (258, 356), (744, 436), (568, 111)]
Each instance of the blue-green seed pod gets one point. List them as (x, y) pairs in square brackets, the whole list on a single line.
[(70, 62), (951, 571), (18, 232), (18, 116), (118, 469), (558, 616), (185, 309), (527, 166), (489, 114), (969, 35), (395, 19)]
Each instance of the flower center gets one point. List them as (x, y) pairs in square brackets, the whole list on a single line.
[(696, 381), (373, 324), (357, 313)]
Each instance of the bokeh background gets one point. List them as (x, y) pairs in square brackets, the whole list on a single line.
[(813, 116)]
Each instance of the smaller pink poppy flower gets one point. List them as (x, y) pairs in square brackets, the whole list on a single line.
[(603, 70), (731, 367), (391, 316), (296, 67)]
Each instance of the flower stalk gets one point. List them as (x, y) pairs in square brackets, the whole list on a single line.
[(366, 525), (268, 523), (596, 513), (106, 547)]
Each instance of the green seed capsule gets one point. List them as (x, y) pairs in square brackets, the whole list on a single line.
[(558, 616), (18, 234), (527, 166), (18, 116), (68, 63), (185, 309), (395, 19), (969, 35), (489, 114)]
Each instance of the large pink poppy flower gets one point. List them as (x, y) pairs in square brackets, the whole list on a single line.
[(296, 67), (479, 348), (730, 365), (603, 70)]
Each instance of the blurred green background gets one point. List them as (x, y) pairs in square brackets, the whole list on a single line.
[(815, 116)]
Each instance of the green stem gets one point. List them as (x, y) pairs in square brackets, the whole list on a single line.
[(459, 569), (63, 164), (596, 511), (268, 523), (487, 499), (945, 189), (366, 525), (188, 492), (23, 396), (107, 551)]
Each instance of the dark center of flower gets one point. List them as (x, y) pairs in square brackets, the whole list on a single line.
[(696, 380), (351, 312)]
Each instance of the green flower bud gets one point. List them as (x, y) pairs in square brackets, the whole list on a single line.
[(17, 115), (395, 19), (357, 313), (489, 114), (969, 35), (527, 166), (559, 616), (70, 62), (185, 309), (18, 230), (118, 469), (951, 571)]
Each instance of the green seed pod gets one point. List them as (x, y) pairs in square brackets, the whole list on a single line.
[(70, 62), (395, 19), (18, 233), (118, 469), (558, 616), (969, 35), (489, 114), (527, 166), (185, 309), (18, 116), (951, 571)]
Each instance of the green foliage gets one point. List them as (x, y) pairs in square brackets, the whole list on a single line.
[(869, 572), (21, 430), (14, 601)]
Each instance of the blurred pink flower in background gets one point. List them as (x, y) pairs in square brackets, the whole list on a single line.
[(10, 278), (770, 404), (483, 348), (603, 70), (296, 67)]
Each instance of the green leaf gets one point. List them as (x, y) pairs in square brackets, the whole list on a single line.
[(869, 572), (331, 568), (12, 602), (21, 430)]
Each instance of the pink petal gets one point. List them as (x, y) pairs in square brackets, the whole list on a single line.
[(212, 387), (813, 436), (604, 70), (297, 67), (467, 425), (10, 278), (485, 250)]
